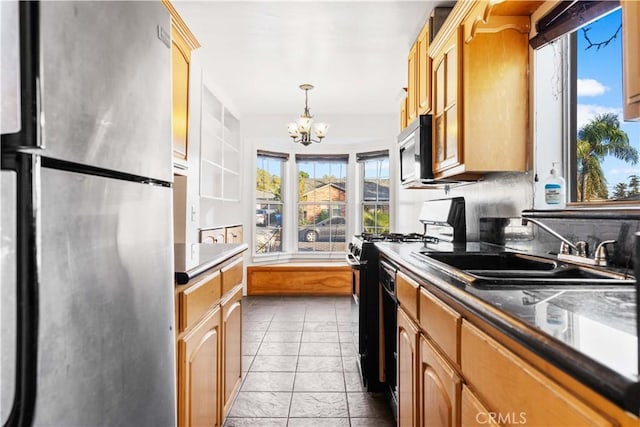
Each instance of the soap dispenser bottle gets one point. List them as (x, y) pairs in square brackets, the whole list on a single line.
[(554, 190)]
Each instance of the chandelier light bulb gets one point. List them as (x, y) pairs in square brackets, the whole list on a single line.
[(321, 129)]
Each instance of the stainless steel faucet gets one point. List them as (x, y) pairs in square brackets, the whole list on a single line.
[(581, 247)]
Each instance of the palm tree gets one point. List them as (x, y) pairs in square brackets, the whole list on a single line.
[(620, 191), (600, 137)]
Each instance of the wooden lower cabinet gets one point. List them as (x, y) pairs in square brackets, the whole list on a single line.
[(209, 344), (473, 412), (455, 370), (440, 388), (198, 367), (517, 392), (231, 347), (407, 366)]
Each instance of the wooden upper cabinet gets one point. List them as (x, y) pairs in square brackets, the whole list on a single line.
[(481, 91), (631, 58), (403, 113), (412, 95), (446, 150), (183, 43), (424, 72), (180, 90)]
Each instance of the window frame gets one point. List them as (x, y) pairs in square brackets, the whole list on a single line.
[(569, 119), (284, 159), (331, 204), (361, 159)]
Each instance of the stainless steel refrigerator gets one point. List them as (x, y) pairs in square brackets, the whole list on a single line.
[(86, 243)]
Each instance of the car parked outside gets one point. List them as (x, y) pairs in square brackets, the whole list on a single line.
[(268, 217), (261, 217), (330, 228)]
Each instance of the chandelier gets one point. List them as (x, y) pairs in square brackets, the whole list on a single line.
[(300, 131)]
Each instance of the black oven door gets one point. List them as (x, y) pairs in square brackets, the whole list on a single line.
[(356, 276)]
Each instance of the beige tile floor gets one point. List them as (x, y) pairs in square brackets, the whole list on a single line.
[(300, 368)]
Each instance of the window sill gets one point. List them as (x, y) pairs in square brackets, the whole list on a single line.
[(299, 257), (589, 211)]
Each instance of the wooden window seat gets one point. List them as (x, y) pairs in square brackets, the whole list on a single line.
[(329, 278)]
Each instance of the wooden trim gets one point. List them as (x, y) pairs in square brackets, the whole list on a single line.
[(298, 280), (181, 27)]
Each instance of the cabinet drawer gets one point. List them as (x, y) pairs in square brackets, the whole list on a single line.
[(198, 298), (509, 385), (441, 323), (407, 294), (217, 235), (234, 234), (232, 275)]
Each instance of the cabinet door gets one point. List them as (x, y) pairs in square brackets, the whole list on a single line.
[(231, 348), (180, 57), (440, 388), (198, 379), (407, 365), (516, 391), (403, 114), (473, 412), (631, 58), (447, 139), (424, 72), (412, 95)]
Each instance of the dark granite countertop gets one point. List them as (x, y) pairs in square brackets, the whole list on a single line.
[(590, 333), (205, 257)]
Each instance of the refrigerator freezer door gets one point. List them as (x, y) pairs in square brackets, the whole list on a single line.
[(106, 85), (8, 293), (9, 67), (106, 337)]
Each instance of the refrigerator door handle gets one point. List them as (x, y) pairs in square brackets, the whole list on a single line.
[(27, 168)]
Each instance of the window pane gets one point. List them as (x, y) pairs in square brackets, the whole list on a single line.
[(321, 228), (375, 195), (269, 206), (606, 147), (322, 205), (268, 228), (375, 218)]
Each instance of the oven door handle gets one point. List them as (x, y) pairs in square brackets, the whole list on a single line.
[(352, 260)]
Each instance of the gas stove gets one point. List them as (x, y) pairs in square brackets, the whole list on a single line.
[(361, 244)]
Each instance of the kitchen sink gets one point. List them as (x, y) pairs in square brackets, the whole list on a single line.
[(507, 261), (504, 270)]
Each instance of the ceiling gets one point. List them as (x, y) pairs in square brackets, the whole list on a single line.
[(353, 52)]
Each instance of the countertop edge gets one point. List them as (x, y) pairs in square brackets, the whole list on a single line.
[(183, 277), (619, 389)]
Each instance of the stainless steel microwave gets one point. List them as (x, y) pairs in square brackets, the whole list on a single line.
[(415, 152)]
